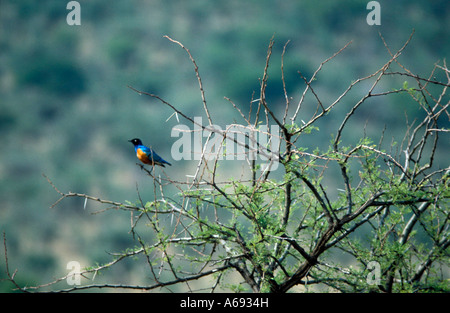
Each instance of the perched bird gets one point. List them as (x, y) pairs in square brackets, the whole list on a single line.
[(147, 155)]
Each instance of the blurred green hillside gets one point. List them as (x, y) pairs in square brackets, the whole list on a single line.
[(66, 111)]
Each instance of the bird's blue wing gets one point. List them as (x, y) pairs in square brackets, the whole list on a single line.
[(145, 149), (152, 155)]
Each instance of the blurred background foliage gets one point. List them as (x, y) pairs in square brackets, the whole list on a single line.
[(66, 111)]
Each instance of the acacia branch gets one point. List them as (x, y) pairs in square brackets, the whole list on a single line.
[(177, 281), (205, 107)]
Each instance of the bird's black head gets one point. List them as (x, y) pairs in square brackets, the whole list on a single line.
[(136, 141)]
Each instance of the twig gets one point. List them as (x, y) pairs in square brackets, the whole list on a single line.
[(8, 273), (198, 77), (294, 117)]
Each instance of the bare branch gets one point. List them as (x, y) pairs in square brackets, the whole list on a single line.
[(198, 77)]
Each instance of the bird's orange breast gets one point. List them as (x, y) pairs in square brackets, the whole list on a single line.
[(141, 155)]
